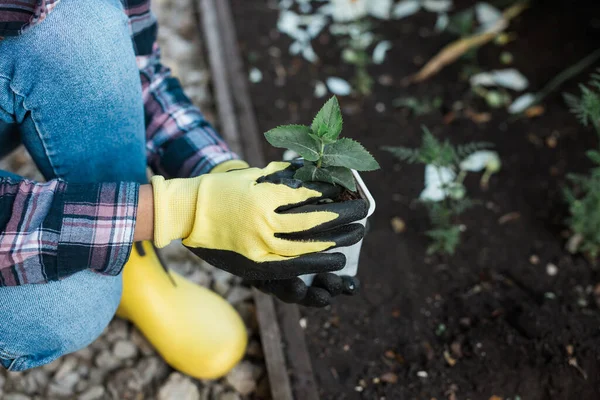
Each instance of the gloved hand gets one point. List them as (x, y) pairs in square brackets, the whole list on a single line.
[(260, 224), (324, 288)]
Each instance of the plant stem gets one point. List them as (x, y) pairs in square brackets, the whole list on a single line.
[(320, 160), (444, 188), (564, 76)]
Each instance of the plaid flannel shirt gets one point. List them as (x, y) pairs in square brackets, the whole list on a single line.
[(49, 231)]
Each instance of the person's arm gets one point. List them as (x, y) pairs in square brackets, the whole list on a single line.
[(144, 227), (51, 230), (181, 143)]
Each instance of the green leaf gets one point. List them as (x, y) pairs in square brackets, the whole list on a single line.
[(334, 175), (328, 122), (296, 138), (343, 177), (403, 153), (350, 154), (593, 155), (310, 173)]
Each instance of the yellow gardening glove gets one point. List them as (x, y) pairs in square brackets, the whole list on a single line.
[(257, 223), (229, 166)]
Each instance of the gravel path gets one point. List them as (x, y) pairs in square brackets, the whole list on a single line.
[(121, 364)]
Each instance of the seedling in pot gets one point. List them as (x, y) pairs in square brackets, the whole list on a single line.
[(331, 159), (327, 157)]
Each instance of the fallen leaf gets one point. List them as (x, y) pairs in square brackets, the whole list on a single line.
[(533, 259), (456, 348), (398, 225), (458, 48), (478, 118), (389, 377), (390, 354), (551, 142), (511, 216), (449, 54), (451, 361), (570, 349), (495, 398), (535, 111), (573, 243), (449, 118)]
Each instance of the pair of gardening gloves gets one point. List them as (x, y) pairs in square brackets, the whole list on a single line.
[(259, 224)]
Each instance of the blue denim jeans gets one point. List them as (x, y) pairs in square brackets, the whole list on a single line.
[(70, 91)]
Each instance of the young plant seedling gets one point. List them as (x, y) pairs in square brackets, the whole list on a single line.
[(584, 197), (444, 195), (327, 157)]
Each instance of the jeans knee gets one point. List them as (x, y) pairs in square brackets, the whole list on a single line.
[(90, 42), (44, 322)]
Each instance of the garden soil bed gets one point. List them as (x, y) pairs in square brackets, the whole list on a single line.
[(507, 327)]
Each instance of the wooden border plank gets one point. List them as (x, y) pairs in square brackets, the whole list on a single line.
[(304, 383), (222, 90), (252, 138), (228, 78), (298, 359)]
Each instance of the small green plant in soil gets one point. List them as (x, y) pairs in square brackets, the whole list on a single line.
[(583, 197), (445, 195), (419, 107), (355, 53), (327, 157)]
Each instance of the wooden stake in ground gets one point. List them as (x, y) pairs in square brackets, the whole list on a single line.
[(458, 48)]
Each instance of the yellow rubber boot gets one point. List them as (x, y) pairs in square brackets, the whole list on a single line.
[(196, 331)]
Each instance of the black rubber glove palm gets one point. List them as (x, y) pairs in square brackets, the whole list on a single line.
[(325, 287)]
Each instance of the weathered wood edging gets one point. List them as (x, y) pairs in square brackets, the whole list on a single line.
[(283, 339)]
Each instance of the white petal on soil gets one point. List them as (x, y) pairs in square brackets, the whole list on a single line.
[(487, 14), (289, 23), (309, 54), (380, 8), (380, 51), (326, 9), (305, 8), (316, 25), (434, 181), (488, 17), (297, 48), (320, 89), (348, 10), (285, 4), (507, 78), (482, 79), (432, 193), (442, 22), (437, 6), (255, 75), (480, 160), (406, 8), (521, 103), (511, 79), (339, 86)]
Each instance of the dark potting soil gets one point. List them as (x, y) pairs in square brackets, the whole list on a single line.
[(489, 321), (347, 195)]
